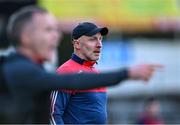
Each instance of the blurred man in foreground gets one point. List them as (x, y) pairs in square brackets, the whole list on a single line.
[(34, 34)]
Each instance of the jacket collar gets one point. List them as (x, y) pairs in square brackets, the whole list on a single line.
[(77, 59)]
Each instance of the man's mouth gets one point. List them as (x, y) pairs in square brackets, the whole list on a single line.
[(97, 51), (52, 47)]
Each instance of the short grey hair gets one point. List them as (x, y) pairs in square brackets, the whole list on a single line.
[(18, 20)]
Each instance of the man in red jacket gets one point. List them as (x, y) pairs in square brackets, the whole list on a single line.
[(82, 106)]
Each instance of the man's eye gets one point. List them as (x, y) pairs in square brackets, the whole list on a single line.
[(48, 29), (92, 39), (52, 29)]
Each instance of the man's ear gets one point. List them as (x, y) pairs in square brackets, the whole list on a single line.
[(24, 38), (76, 44), (26, 35)]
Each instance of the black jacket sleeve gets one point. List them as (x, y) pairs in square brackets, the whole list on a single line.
[(30, 76), (83, 81)]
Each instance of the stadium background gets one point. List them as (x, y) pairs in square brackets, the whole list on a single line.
[(140, 31)]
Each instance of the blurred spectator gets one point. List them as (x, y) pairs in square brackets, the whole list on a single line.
[(151, 113)]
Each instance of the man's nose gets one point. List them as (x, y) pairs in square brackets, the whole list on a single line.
[(56, 35), (99, 43)]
